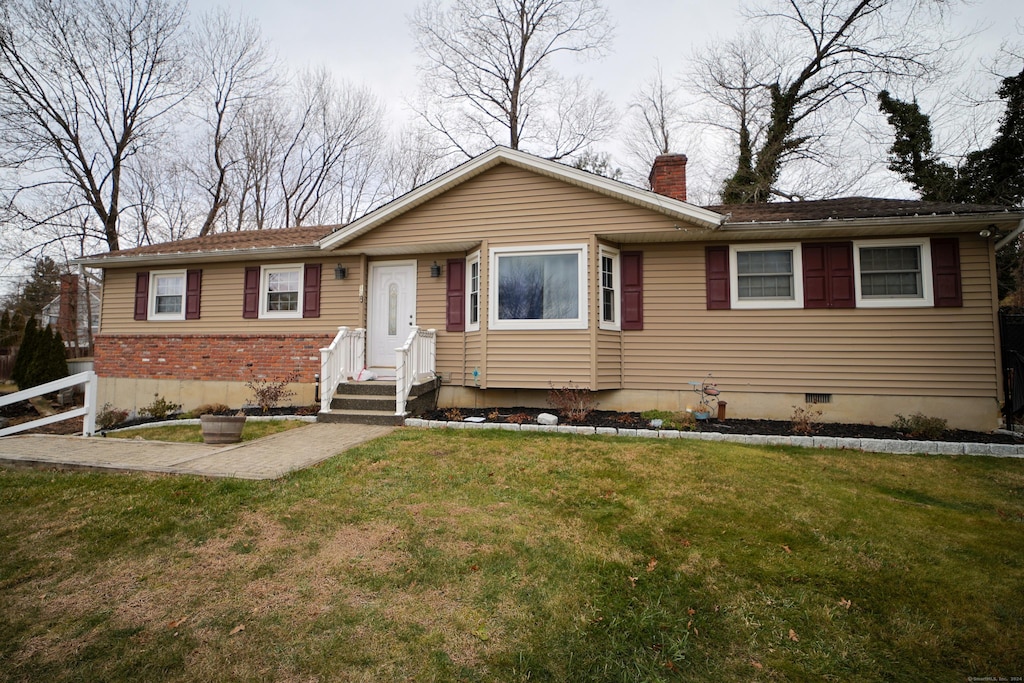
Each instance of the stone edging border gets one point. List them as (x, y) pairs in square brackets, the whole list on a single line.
[(999, 450)]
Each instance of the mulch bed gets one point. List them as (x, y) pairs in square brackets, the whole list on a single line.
[(631, 420)]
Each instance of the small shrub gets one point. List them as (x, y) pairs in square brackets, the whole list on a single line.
[(453, 415), (684, 422), (919, 426), (109, 417), (574, 403), (311, 409), (494, 415), (518, 418), (211, 409), (805, 421), (267, 393), (160, 408)]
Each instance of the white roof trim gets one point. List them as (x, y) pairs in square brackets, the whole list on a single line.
[(498, 155)]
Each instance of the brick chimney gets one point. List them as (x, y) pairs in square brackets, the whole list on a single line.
[(668, 176)]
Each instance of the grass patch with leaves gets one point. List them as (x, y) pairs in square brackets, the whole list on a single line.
[(451, 555), (193, 433)]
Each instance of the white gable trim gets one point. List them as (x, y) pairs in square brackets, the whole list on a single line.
[(498, 155)]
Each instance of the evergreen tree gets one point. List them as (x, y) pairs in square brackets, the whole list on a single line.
[(5, 329), (26, 352), (47, 362), (994, 175), (42, 287)]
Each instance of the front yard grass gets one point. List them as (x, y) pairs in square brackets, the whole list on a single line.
[(194, 433), (480, 556)]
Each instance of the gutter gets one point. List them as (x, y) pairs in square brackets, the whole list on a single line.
[(1012, 236), (198, 256)]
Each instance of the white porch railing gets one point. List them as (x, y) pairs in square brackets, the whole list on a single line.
[(344, 358), (88, 378), (415, 360)]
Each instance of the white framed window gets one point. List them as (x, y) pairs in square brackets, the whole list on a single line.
[(281, 291), (539, 288), (611, 302), (167, 295), (893, 273), (766, 276), (473, 292)]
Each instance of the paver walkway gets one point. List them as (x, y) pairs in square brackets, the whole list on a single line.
[(267, 458)]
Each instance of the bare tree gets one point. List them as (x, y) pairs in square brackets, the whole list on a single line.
[(262, 130), (330, 126), (487, 66), (83, 89), (653, 125), (781, 86), (234, 71)]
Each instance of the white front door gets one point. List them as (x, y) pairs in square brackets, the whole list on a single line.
[(392, 310)]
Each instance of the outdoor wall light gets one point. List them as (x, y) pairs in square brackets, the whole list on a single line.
[(435, 270), (985, 233), (340, 272)]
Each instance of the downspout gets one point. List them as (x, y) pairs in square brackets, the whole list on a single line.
[(1012, 236)]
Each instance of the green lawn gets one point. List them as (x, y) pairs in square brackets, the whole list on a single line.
[(194, 433), (482, 556)]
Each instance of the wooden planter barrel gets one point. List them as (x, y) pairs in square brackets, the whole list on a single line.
[(222, 428)]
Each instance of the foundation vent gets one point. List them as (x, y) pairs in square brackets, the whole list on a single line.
[(817, 398)]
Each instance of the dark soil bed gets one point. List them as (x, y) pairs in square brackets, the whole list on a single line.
[(629, 420)]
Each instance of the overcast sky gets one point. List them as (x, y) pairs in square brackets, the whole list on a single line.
[(370, 42)]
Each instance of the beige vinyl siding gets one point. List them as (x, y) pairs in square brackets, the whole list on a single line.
[(431, 312), (536, 359), (221, 303), (473, 359), (509, 206), (929, 351), (609, 359)]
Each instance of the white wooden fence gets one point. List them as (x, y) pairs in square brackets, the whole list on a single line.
[(88, 411)]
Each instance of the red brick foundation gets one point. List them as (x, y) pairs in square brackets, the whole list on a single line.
[(209, 357)]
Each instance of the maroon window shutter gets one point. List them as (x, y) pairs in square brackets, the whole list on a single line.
[(716, 260), (251, 297), (455, 296), (142, 295), (815, 265), (632, 266), (841, 291), (946, 272), (828, 275), (193, 289), (311, 291)]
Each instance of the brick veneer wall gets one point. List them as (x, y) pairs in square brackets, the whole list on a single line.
[(209, 357)]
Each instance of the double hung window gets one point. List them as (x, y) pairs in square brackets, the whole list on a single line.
[(281, 291), (893, 273), (167, 295), (766, 276)]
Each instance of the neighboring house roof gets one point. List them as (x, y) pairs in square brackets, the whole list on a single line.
[(850, 216)]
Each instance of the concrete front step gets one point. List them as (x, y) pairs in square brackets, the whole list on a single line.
[(366, 417), (384, 388)]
